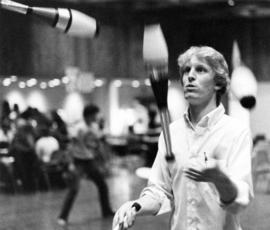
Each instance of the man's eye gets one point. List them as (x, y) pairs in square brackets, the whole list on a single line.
[(186, 69), (201, 69)]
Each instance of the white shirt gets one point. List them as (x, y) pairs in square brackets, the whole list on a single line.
[(196, 205), (45, 146)]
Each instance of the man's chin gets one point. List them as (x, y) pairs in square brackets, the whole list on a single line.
[(190, 97), (192, 100)]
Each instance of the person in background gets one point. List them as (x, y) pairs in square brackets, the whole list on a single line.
[(210, 180), (5, 110), (6, 133), (141, 119), (26, 165), (46, 145), (86, 161), (59, 129), (257, 140)]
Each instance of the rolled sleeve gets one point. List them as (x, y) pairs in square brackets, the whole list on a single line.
[(239, 171), (159, 184)]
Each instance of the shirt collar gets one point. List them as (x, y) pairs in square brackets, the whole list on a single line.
[(209, 119)]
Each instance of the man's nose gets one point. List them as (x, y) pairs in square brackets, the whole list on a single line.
[(191, 75)]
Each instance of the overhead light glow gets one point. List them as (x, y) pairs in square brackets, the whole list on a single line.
[(43, 85), (31, 82), (6, 82), (16, 97), (73, 107), (37, 100), (22, 85), (13, 78), (135, 84), (99, 82), (65, 80), (117, 83), (147, 82), (56, 82)]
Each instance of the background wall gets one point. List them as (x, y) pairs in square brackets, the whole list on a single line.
[(260, 123), (30, 48)]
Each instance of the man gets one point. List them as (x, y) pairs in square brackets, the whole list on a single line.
[(210, 180), (85, 150)]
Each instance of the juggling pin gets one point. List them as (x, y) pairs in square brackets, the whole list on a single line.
[(243, 81), (236, 56), (155, 50), (244, 86), (155, 55), (69, 21)]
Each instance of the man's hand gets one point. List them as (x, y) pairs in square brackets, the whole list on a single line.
[(213, 172), (125, 217), (210, 173)]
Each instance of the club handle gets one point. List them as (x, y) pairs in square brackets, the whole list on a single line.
[(164, 115), (14, 6)]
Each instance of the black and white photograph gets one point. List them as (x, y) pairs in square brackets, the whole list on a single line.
[(134, 114)]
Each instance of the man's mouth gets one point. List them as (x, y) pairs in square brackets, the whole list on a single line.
[(190, 87)]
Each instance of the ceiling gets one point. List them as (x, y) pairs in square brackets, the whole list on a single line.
[(121, 11)]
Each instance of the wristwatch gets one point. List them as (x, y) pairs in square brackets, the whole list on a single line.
[(137, 206)]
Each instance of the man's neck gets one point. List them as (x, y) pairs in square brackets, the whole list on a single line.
[(197, 112)]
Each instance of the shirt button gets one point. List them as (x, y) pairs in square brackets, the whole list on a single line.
[(192, 201)]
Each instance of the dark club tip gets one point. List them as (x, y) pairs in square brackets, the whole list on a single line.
[(97, 29), (248, 102), (29, 10), (170, 158)]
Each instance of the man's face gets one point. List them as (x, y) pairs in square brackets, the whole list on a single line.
[(93, 118), (198, 82)]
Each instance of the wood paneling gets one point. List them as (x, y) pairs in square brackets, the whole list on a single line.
[(29, 47)]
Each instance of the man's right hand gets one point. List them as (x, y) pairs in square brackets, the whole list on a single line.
[(125, 216)]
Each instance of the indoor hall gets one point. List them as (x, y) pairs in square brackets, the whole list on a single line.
[(55, 70), (40, 210)]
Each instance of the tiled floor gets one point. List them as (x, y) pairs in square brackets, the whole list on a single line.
[(39, 211)]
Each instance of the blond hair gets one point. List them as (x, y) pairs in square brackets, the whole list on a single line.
[(214, 59)]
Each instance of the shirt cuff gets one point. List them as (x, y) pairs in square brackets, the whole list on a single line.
[(241, 200)]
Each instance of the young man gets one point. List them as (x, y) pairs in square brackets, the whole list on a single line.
[(86, 150), (210, 180)]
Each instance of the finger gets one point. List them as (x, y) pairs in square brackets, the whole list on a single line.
[(191, 173), (131, 215), (122, 212), (118, 227), (125, 223), (193, 170), (201, 177), (120, 216), (194, 176), (115, 221)]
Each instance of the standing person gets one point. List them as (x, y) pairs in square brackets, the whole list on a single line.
[(86, 154), (26, 166), (210, 180)]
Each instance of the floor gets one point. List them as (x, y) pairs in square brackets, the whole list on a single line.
[(39, 211)]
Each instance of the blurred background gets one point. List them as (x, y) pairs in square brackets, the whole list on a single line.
[(47, 77)]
